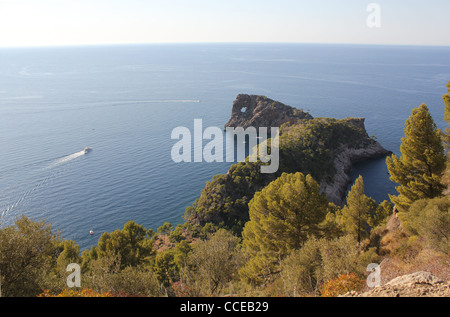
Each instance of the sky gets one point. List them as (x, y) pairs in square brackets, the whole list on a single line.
[(93, 22)]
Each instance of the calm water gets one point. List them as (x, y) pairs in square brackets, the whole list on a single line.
[(124, 101)]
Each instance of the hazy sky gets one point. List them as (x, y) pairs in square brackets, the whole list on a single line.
[(80, 22)]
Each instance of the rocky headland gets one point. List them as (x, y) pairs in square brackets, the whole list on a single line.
[(325, 148), (260, 111)]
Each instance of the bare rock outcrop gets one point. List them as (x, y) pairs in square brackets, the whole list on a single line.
[(418, 284), (260, 111)]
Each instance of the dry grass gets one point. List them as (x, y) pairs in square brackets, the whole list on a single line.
[(404, 254)]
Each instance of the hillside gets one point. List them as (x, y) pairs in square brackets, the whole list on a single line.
[(251, 234)]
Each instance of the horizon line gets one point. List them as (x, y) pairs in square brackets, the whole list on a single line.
[(213, 43)]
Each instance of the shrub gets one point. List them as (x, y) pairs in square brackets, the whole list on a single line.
[(343, 284)]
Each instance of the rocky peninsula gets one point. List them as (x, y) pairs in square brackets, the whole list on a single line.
[(260, 111), (325, 148)]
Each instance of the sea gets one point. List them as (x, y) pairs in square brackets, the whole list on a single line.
[(124, 101)]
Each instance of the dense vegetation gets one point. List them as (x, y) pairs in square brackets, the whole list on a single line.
[(259, 235), (308, 148)]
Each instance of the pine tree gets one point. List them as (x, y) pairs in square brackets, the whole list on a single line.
[(357, 214), (282, 216), (418, 170), (446, 98)]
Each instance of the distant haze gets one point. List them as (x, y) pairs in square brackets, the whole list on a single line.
[(86, 22)]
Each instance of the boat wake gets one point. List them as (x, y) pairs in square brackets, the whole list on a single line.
[(47, 179), (70, 157)]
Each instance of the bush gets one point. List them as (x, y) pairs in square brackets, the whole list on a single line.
[(430, 219), (341, 285), (306, 270)]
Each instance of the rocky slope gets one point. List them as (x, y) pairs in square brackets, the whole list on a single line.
[(419, 284)]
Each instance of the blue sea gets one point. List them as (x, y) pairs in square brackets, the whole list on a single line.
[(124, 102)]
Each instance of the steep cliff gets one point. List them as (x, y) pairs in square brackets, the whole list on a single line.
[(344, 159)]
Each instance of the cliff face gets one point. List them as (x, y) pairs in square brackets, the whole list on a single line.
[(260, 111), (343, 161)]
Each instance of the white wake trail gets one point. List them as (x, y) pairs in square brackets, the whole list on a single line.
[(68, 158), (44, 181)]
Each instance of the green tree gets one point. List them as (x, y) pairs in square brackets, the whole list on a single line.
[(446, 98), (70, 253), (430, 219), (282, 216), (28, 250), (165, 228), (331, 227), (131, 244), (418, 170), (306, 270), (358, 211), (213, 262), (176, 235), (383, 211), (301, 271), (166, 267)]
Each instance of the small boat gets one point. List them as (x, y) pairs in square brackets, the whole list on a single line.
[(87, 150), (91, 232)]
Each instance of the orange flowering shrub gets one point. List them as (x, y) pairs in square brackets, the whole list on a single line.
[(86, 292), (343, 284)]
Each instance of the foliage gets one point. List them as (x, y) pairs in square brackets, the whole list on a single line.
[(28, 250), (430, 219), (70, 253), (331, 228), (166, 228), (307, 147), (282, 216), (418, 170), (356, 214), (305, 271), (132, 246), (166, 269), (361, 213), (213, 262), (177, 235), (224, 200), (343, 284), (446, 97)]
